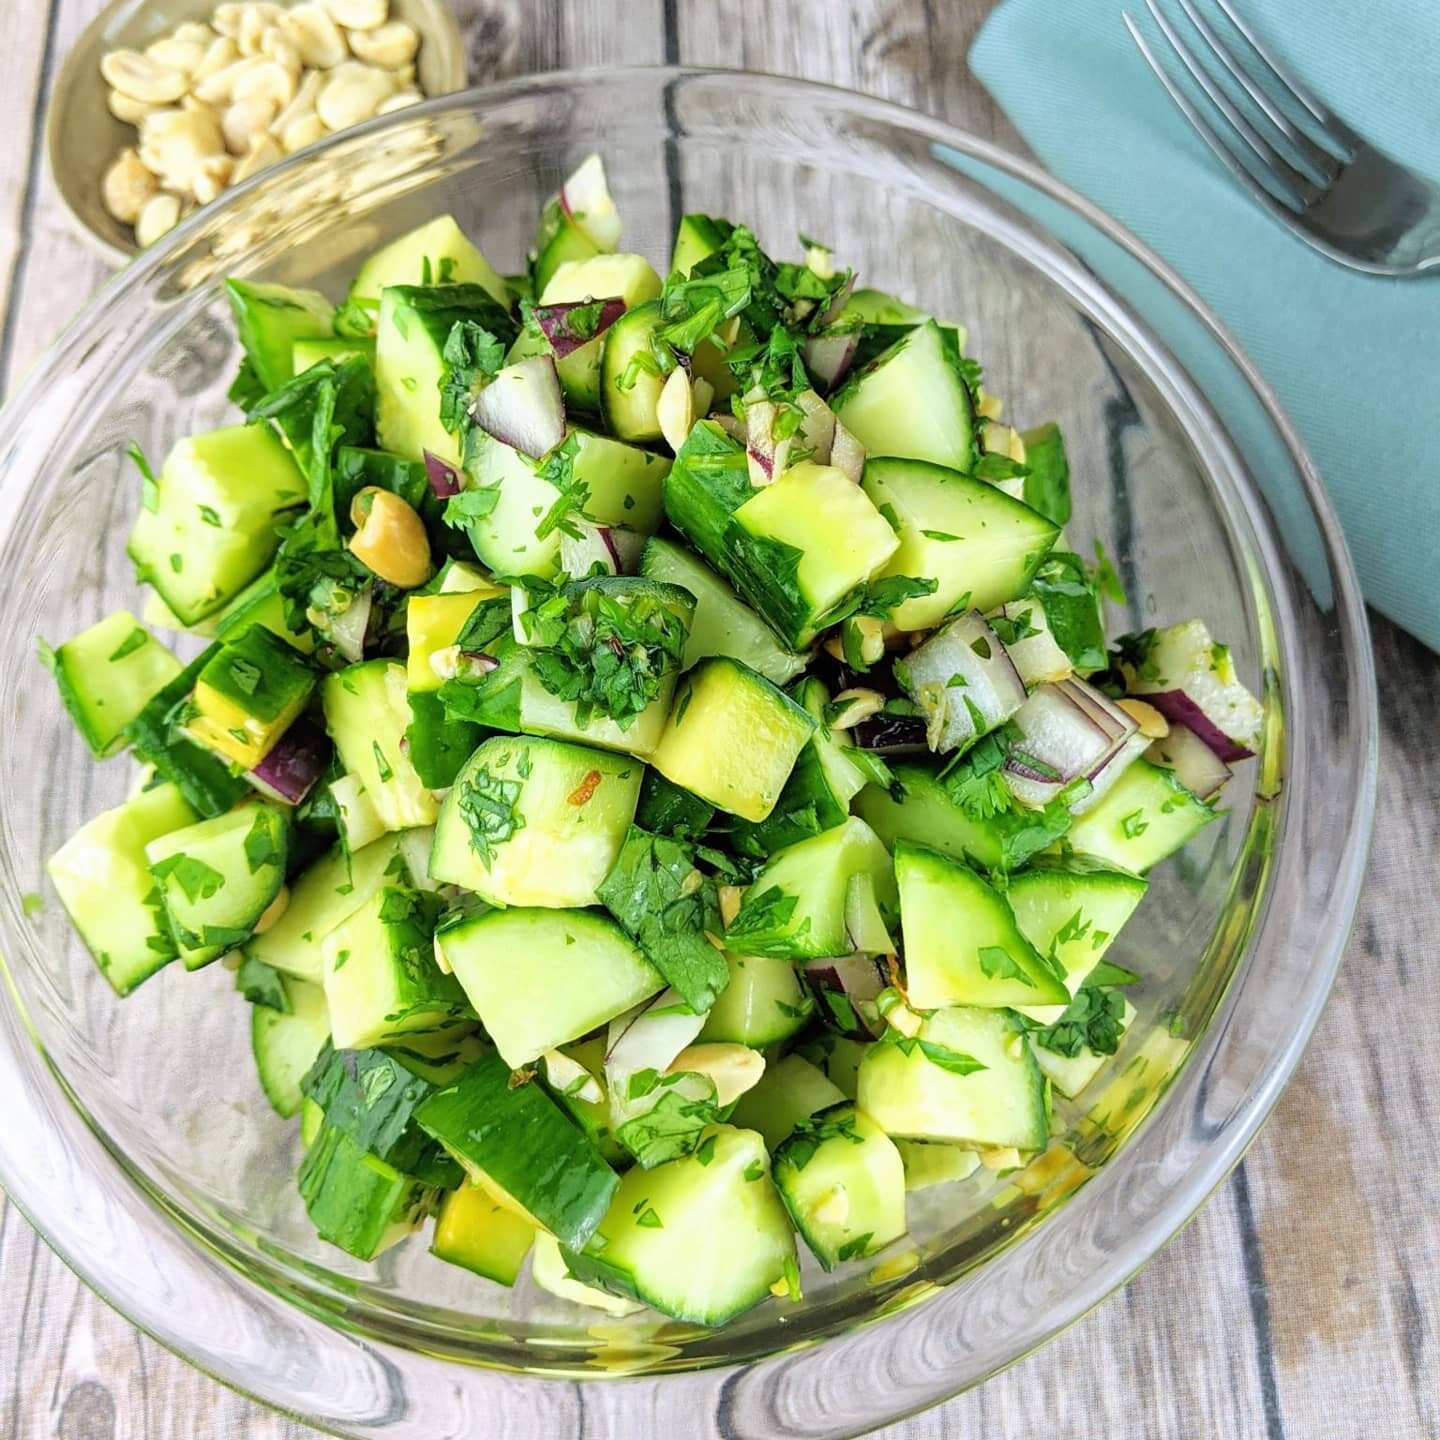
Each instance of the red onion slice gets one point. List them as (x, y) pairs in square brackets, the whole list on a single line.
[(964, 681), (1104, 775), (444, 481), (585, 198), (1061, 739), (860, 979), (847, 453), (347, 630), (556, 323), (827, 357), (294, 764), (1189, 679), (1179, 709), (1105, 712), (523, 407), (614, 549), (1193, 761)]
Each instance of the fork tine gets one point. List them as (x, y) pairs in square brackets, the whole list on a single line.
[(1284, 210), (1314, 162), (1277, 171), (1334, 129)]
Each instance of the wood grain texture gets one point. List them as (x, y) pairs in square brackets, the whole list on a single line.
[(1302, 1302)]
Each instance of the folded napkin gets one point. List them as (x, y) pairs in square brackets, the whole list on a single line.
[(1354, 359)]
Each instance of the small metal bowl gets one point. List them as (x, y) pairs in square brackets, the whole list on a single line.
[(82, 137)]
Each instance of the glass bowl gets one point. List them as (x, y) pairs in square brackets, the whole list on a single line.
[(135, 1137)]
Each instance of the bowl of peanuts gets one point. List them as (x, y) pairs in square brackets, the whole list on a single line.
[(164, 104)]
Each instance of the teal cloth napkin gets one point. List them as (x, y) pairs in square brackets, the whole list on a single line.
[(1355, 359)]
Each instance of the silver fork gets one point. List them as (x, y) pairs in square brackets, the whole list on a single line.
[(1308, 168)]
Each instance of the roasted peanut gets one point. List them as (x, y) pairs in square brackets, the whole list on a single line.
[(127, 186), (390, 538), (391, 45), (142, 78)]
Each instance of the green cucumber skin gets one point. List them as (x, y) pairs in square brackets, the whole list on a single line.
[(354, 1201), (519, 1138), (205, 780), (373, 1097)]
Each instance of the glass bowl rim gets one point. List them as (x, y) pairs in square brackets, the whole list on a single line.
[(1182, 1203)]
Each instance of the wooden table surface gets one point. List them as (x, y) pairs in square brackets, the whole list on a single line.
[(1304, 1301)]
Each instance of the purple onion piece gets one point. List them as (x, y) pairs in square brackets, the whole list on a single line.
[(1191, 760), (837, 304), (1062, 739), (1099, 706), (828, 357), (860, 979), (555, 322), (294, 764), (847, 453), (1178, 708), (443, 479), (1105, 774), (476, 662), (349, 629), (523, 407), (891, 735)]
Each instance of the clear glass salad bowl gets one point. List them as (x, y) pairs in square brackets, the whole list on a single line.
[(135, 1137)]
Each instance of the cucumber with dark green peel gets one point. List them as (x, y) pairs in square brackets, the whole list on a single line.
[(102, 876), (981, 546), (286, 1043), (763, 1003), (818, 793), (514, 1140), (1146, 816), (791, 1090), (939, 812), (372, 1095), (912, 401), (437, 253), (732, 738), (477, 1233), (270, 319), (367, 711), (357, 1202), (723, 624), (518, 511), (631, 377), (329, 892), (800, 549), (247, 695), (381, 979), (1072, 910), (413, 331), (207, 526)]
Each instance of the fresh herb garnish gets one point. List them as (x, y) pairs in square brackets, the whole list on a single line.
[(487, 805), (1093, 1020), (606, 653), (472, 355)]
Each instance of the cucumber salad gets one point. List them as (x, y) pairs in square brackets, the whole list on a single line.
[(651, 759)]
